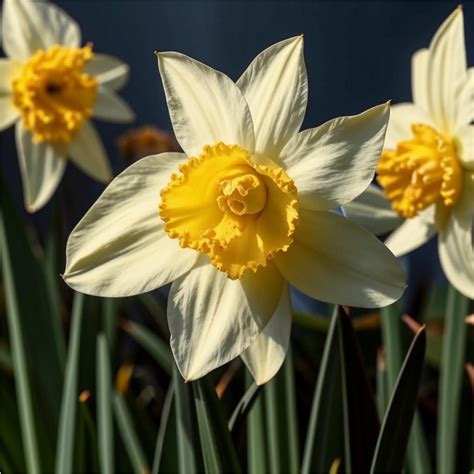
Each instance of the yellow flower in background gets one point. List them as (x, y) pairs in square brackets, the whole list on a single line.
[(51, 87), (245, 211), (427, 169)]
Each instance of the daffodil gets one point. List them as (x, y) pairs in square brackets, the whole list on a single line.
[(50, 87), (242, 213), (427, 168)]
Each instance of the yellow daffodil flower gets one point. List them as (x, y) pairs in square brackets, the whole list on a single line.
[(427, 169), (242, 213), (50, 87)]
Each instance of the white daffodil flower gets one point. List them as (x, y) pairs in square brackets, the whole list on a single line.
[(50, 87), (242, 213), (427, 169)]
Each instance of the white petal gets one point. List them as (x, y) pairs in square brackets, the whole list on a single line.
[(32, 25), (447, 71), (8, 71), (110, 71), (119, 248), (334, 163), (373, 211), (337, 261), (212, 319), (267, 353), (465, 138), (41, 166), (419, 79), (205, 106), (109, 106), (410, 235), (402, 117), (275, 86), (88, 153), (456, 244), (465, 102)]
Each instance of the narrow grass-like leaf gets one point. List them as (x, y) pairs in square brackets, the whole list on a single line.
[(109, 310), (256, 433), (324, 434), (104, 407), (244, 406), (184, 425), (216, 444), (153, 344), (393, 439), (67, 418), (129, 436), (381, 384), (418, 459), (452, 367), (361, 424), (22, 381), (292, 416), (5, 358), (165, 423)]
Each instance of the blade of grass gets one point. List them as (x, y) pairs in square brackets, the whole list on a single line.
[(256, 435), (184, 426), (418, 459), (216, 444), (361, 424), (129, 436), (393, 439), (323, 437), (104, 407), (292, 416), (452, 367), (244, 406), (153, 344), (381, 384), (109, 309), (22, 381), (67, 417), (5, 358), (162, 430)]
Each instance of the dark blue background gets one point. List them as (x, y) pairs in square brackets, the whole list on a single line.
[(357, 54)]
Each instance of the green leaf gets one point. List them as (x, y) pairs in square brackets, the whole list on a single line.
[(256, 433), (67, 417), (361, 424), (109, 310), (381, 384), (452, 367), (104, 407), (5, 357), (129, 436), (393, 329), (325, 431), (393, 439), (23, 387), (184, 425), (154, 345), (165, 427), (216, 444), (244, 406)]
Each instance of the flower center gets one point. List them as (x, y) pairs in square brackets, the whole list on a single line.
[(236, 211), (54, 95), (422, 171)]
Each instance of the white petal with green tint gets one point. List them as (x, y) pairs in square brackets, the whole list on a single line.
[(465, 138), (111, 107), (447, 71), (456, 243), (334, 163), (31, 25), (465, 102), (119, 248), (267, 353), (211, 319), (275, 86), (206, 107), (373, 211), (337, 261), (413, 233), (402, 117), (8, 71), (111, 72), (419, 79), (88, 153), (41, 166)]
